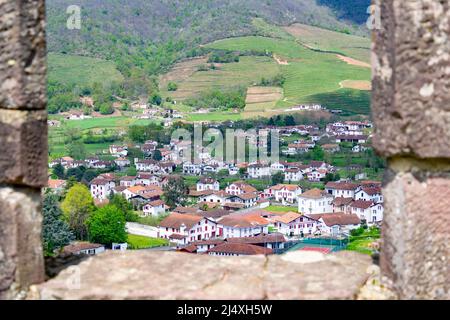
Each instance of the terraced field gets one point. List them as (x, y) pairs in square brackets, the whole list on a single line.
[(261, 100), (308, 73), (191, 82)]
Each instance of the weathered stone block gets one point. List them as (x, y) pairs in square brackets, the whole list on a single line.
[(23, 141), (411, 79), (22, 55), (416, 241), (171, 275), (21, 258)]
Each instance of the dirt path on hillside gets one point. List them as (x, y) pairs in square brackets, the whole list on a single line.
[(353, 62), (280, 61)]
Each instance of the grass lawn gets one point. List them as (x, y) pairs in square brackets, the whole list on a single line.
[(361, 243), (213, 116), (140, 242), (281, 209)]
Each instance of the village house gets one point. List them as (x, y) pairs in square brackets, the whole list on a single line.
[(258, 170), (154, 208), (316, 175), (341, 189), (118, 151), (294, 224), (194, 169), (283, 193), (369, 193), (206, 183), (102, 165), (239, 187), (368, 211), (149, 147), (64, 161), (351, 138), (246, 199), (277, 167), (238, 249), (56, 185), (185, 228), (315, 201), (87, 248), (101, 188), (204, 245), (341, 204), (296, 148), (154, 167), (331, 148), (122, 162), (337, 224), (128, 181), (293, 175), (233, 226), (270, 241), (147, 179)]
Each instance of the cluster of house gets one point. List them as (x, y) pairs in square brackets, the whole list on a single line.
[(91, 162), (347, 131), (235, 220)]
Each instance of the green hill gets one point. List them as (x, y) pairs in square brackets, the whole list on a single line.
[(82, 71)]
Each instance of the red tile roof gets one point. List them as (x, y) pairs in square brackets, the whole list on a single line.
[(240, 248)]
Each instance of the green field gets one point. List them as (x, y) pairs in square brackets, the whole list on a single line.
[(80, 70), (327, 40), (140, 242), (213, 116), (281, 209), (308, 73)]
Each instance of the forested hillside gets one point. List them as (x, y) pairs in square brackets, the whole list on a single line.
[(144, 38), (132, 31)]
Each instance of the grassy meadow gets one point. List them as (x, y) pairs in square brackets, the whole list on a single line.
[(71, 69)]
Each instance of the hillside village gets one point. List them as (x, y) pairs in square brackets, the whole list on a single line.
[(237, 217)]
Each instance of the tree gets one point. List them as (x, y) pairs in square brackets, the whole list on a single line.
[(157, 155), (55, 232), (317, 153), (107, 226), (155, 99), (76, 149), (124, 206), (278, 178), (59, 171), (175, 192), (77, 207), (172, 86), (77, 173), (289, 121), (106, 109)]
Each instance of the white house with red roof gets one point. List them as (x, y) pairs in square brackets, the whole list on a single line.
[(369, 211), (369, 193), (294, 224), (185, 228), (241, 225), (315, 201), (154, 208), (239, 187), (283, 192), (341, 189), (101, 188), (206, 183)]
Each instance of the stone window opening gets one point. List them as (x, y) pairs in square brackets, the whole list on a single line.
[(412, 130)]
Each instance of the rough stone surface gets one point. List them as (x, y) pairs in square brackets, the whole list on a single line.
[(157, 275), (22, 55), (411, 79), (23, 141), (416, 242), (21, 257)]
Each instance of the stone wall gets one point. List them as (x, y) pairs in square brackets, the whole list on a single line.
[(23, 144), (411, 109)]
